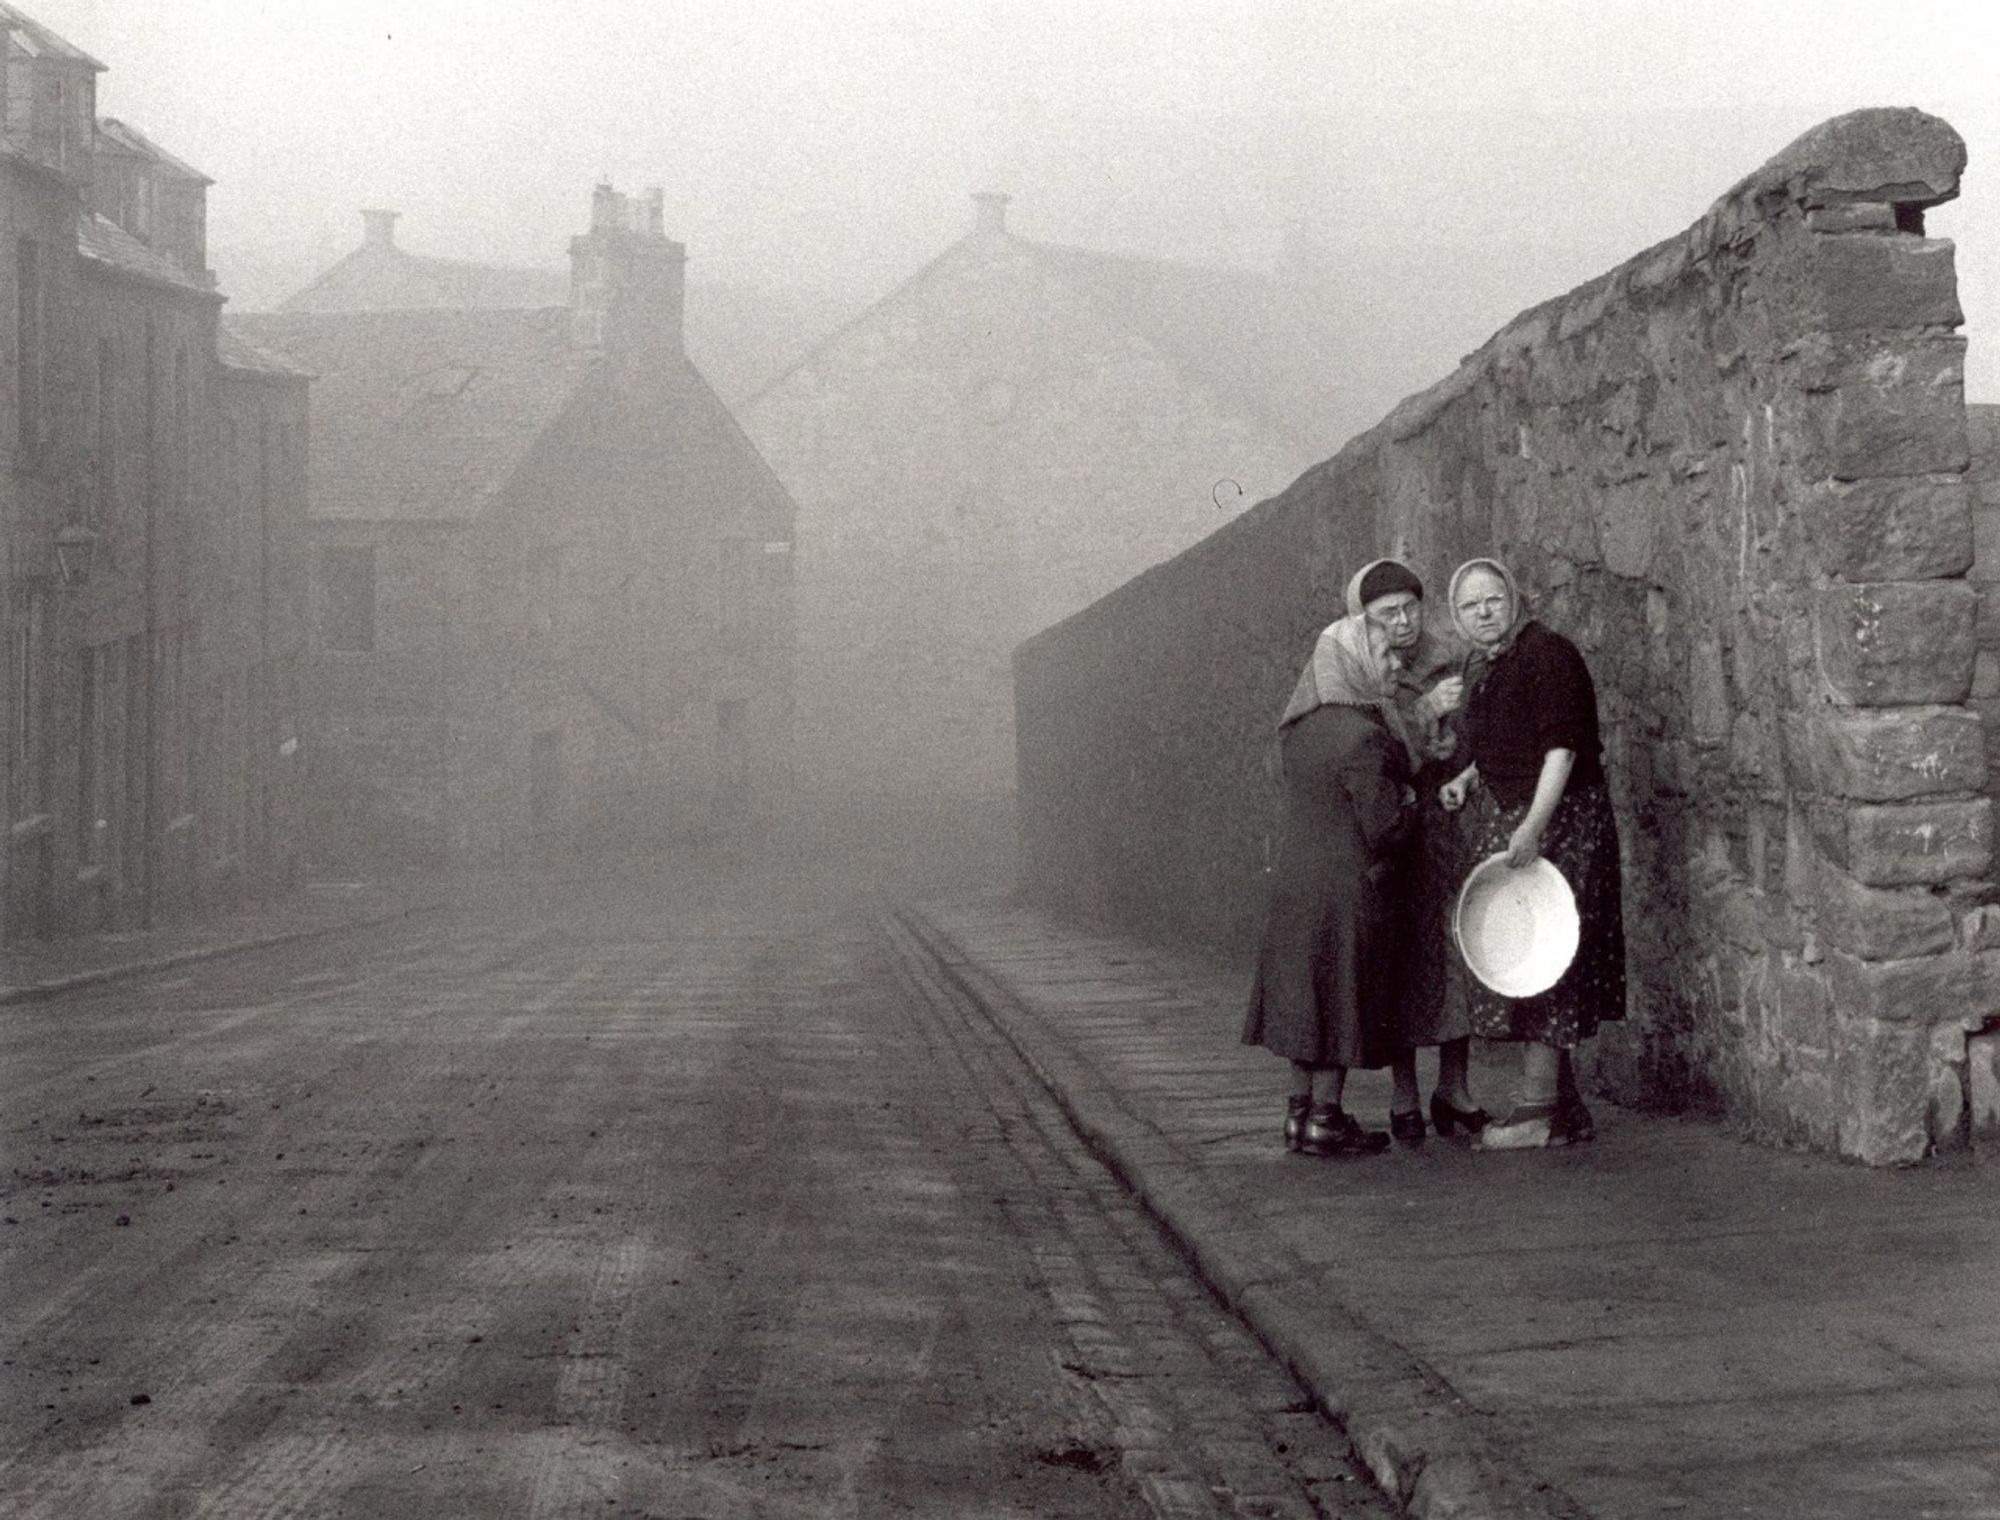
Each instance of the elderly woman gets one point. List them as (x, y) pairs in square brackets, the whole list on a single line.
[(1327, 976), (1536, 787)]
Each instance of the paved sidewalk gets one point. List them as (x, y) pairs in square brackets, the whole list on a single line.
[(43, 968), (1667, 1322)]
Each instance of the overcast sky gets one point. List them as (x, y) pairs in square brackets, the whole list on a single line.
[(1494, 152)]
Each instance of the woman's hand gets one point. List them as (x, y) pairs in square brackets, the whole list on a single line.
[(1452, 795), (1523, 846), (1446, 695)]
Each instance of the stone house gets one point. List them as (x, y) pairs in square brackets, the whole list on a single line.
[(550, 577), (1003, 438), (123, 621)]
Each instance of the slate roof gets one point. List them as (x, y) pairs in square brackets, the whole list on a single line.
[(238, 353), (427, 416), (1241, 334), (423, 416), (103, 242), (37, 41), (123, 137), (375, 278), (1237, 330)]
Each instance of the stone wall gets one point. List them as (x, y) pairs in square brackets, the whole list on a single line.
[(1733, 469)]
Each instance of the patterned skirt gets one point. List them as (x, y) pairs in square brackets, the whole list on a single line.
[(1582, 841)]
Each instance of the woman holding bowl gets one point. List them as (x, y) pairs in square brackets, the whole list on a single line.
[(1535, 787)]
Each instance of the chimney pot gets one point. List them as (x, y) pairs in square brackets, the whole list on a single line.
[(991, 213), (607, 208), (656, 211), (379, 228)]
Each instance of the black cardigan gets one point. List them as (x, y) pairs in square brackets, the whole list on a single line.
[(1537, 696)]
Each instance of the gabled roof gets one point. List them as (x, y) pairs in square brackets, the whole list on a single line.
[(1238, 332), (37, 41), (104, 243), (236, 352), (118, 136), (378, 278), (428, 416), (423, 416), (1235, 329)]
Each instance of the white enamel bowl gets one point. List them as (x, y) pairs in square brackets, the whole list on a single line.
[(1517, 929)]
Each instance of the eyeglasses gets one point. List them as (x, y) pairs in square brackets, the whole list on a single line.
[(1483, 604), (1405, 614)]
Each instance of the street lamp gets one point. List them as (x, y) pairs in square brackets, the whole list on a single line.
[(76, 549)]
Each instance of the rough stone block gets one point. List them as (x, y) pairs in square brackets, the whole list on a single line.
[(1889, 643), (1985, 542), (1864, 281), (1891, 530), (1958, 986), (1882, 1082), (1945, 1107), (1894, 154), (1708, 692), (1985, 675), (1877, 754), (1982, 1072), (1986, 620), (1876, 408), (1979, 929), (1802, 1010), (1881, 923), (1907, 843)]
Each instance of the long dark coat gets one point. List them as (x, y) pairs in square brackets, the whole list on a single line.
[(1326, 980)]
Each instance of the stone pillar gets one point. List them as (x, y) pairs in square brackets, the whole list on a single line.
[(1889, 757)]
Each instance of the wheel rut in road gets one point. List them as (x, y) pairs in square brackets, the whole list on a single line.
[(642, 1205), (1198, 1409)]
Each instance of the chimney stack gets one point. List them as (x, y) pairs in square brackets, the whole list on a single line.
[(379, 228), (991, 213), (628, 280)]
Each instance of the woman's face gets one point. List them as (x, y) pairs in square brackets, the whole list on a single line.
[(1485, 606), (1399, 616)]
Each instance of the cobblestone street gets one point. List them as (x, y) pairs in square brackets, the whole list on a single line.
[(633, 1198)]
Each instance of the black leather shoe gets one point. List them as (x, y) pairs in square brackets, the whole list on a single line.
[(1573, 1125), (1408, 1128), (1296, 1109), (1444, 1118), (1330, 1132)]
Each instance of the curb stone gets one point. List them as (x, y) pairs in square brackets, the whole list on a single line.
[(1419, 1440), (35, 992)]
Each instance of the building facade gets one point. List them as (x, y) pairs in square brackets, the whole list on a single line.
[(549, 575), (122, 604), (1007, 436)]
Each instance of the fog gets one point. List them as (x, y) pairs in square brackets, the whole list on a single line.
[(1460, 160)]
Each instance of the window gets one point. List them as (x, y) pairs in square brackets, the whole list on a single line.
[(347, 582), (100, 500), (28, 349), (183, 462)]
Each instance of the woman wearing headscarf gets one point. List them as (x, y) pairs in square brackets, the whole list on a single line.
[(1536, 787), (1326, 977)]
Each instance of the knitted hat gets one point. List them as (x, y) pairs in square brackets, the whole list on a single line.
[(1386, 577)]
